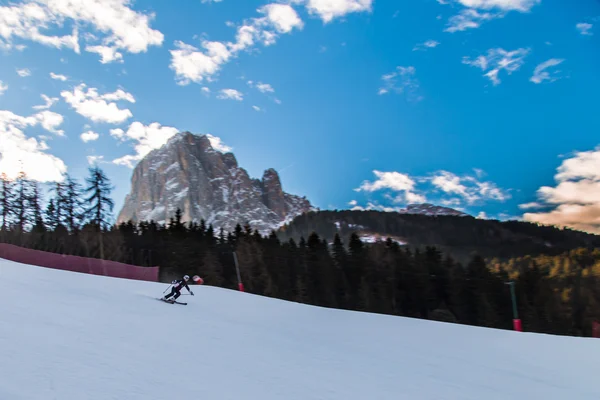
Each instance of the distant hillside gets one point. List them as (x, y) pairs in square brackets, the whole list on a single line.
[(460, 236)]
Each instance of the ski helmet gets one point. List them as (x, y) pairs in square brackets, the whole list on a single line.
[(186, 277)]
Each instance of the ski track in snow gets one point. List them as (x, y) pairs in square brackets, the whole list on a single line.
[(70, 336)]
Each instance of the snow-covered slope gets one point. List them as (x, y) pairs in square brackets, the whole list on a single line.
[(70, 336)]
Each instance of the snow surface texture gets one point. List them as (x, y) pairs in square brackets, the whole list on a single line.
[(70, 336)]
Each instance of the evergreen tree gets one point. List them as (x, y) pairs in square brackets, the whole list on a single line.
[(70, 205), (100, 205), (21, 202), (35, 205), (52, 218), (6, 201)]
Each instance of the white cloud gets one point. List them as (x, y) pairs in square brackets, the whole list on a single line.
[(206, 90), (122, 28), (92, 160), (429, 44), (107, 54), (89, 136), (16, 149), (584, 28), (256, 108), (388, 180), (575, 200), (210, 1), (265, 88), (230, 94), (327, 10), (478, 11), (541, 74), (58, 77), (23, 72), (482, 215), (50, 121), (505, 5), (402, 80), (96, 107), (3, 88), (450, 189), (467, 187), (146, 138), (118, 133), (468, 19), (218, 144), (50, 101), (192, 64), (282, 17), (498, 60), (532, 205), (397, 182)]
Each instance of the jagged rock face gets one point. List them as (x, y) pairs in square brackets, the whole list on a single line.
[(187, 173)]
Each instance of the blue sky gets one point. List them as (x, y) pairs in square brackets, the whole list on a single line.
[(488, 106)]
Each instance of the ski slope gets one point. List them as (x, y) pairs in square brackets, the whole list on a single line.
[(70, 336)]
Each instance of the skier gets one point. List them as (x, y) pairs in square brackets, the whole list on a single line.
[(178, 284)]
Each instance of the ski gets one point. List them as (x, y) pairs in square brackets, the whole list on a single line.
[(172, 302)]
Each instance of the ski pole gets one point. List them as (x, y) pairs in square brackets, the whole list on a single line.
[(168, 288)]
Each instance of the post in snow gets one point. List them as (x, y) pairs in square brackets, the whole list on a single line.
[(237, 270), (516, 321)]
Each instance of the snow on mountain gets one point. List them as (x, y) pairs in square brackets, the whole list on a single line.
[(69, 336), (431, 210), (188, 173)]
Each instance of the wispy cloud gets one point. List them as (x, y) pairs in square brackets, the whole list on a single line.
[(49, 102), (58, 77), (429, 44), (498, 60), (194, 64), (401, 185), (230, 94), (542, 73), (145, 137), (118, 27), (99, 107), (218, 144), (94, 160), (191, 64), (476, 12), (401, 81), (23, 72), (585, 28), (3, 88), (446, 188)]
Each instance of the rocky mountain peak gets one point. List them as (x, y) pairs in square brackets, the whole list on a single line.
[(188, 173)]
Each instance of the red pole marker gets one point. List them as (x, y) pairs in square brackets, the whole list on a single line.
[(198, 280), (517, 325), (241, 286)]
